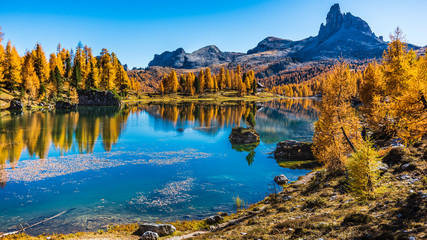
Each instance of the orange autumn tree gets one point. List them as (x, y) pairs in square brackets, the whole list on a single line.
[(394, 93), (336, 131)]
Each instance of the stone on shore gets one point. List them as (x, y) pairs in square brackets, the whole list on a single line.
[(15, 105), (160, 229), (98, 98), (148, 235), (293, 150), (214, 219), (281, 179), (65, 105), (241, 135)]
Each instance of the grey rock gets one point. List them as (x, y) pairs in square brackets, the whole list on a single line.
[(15, 105), (223, 214), (287, 198), (160, 229), (214, 219), (98, 98), (148, 235), (293, 150), (241, 135), (382, 167), (281, 179), (404, 177), (395, 156), (65, 105), (408, 167)]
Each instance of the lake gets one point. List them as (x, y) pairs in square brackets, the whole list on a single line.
[(144, 162)]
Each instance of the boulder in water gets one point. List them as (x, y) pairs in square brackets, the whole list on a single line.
[(293, 150), (65, 105), (241, 135), (15, 105), (281, 179), (98, 98)]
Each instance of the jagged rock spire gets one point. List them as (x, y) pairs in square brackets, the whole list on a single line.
[(334, 22)]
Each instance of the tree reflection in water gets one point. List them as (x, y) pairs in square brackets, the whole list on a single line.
[(38, 131)]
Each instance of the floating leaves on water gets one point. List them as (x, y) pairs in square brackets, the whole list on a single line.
[(171, 193), (36, 170)]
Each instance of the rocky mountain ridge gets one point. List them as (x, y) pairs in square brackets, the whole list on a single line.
[(342, 36), (280, 61), (204, 57)]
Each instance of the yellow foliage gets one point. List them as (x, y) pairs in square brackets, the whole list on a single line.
[(363, 170), (336, 131), (394, 93)]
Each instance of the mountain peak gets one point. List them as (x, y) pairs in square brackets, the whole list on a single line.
[(334, 21), (210, 48)]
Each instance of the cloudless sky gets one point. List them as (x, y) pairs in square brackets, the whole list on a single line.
[(138, 29)]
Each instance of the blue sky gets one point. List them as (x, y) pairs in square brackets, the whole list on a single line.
[(136, 30)]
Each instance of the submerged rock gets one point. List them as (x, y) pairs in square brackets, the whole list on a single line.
[(98, 98), (15, 105), (214, 219), (148, 235), (160, 229), (241, 135), (293, 150), (281, 179), (65, 105)]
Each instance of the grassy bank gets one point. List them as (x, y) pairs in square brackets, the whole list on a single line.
[(223, 96), (219, 96)]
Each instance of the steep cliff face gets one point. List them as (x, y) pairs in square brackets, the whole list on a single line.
[(343, 35), (173, 59)]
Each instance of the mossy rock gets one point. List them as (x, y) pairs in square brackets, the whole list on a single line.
[(241, 135), (293, 151)]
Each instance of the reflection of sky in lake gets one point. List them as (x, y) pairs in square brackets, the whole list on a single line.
[(142, 163)]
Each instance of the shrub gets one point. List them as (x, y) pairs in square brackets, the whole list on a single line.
[(238, 202), (363, 170)]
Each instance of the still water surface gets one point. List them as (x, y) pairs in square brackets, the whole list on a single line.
[(141, 163)]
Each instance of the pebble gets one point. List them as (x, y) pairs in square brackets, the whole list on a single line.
[(286, 198), (405, 176)]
